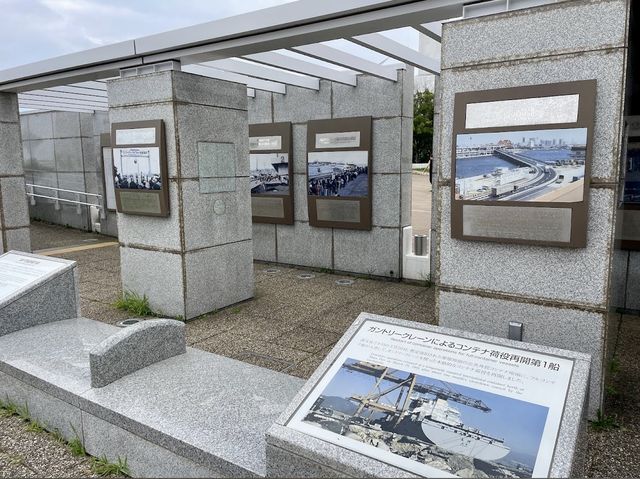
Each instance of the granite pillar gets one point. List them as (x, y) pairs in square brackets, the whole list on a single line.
[(200, 257), (14, 213), (559, 294)]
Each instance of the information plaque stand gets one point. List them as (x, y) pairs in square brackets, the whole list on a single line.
[(271, 165), (521, 164), (140, 168), (395, 398), (339, 174)]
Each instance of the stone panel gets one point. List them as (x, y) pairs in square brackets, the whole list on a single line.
[(259, 107), (633, 281), (407, 144), (42, 155), (375, 252), (543, 31), (40, 126), (264, 242), (563, 274), (198, 123), (372, 97), (299, 138), (231, 281), (300, 206), (302, 104), (11, 160), (140, 90), (68, 153), (9, 107), (560, 328), (14, 202), (387, 145), (386, 200), (304, 245), (66, 124), (18, 239), (193, 88), (216, 218), (156, 274)]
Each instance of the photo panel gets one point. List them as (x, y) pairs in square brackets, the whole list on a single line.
[(629, 213), (271, 173), (339, 176), (521, 163), (139, 168)]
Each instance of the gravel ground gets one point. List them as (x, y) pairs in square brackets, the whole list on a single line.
[(25, 453)]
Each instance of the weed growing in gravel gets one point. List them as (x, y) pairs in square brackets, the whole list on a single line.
[(134, 303), (75, 445), (102, 466), (612, 391), (604, 422), (614, 365)]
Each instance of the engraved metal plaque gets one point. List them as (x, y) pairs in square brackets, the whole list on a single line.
[(267, 207), (338, 210), (517, 222), (216, 167), (148, 202)]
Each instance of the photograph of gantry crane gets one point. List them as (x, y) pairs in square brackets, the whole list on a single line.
[(533, 165), (453, 428)]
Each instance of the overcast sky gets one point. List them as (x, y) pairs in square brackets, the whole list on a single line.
[(34, 30)]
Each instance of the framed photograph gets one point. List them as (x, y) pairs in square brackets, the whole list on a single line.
[(339, 173), (139, 168), (271, 173), (629, 211), (521, 162), (439, 405)]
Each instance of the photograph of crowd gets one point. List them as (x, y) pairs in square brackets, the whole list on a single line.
[(338, 173), (269, 173), (137, 168)]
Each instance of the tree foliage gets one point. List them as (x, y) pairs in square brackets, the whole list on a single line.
[(422, 126)]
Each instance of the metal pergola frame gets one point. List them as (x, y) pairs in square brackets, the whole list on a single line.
[(255, 49)]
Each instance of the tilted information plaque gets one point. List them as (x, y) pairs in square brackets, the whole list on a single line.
[(271, 165), (521, 163), (439, 403), (140, 168), (339, 173)]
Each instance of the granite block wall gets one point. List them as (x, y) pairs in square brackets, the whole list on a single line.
[(14, 217), (203, 249), (377, 252), (560, 294), (62, 150)]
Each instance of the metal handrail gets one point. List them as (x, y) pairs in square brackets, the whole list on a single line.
[(99, 205)]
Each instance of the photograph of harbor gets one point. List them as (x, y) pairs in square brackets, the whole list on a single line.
[(534, 165), (137, 168), (456, 429), (632, 173), (269, 173), (338, 173)]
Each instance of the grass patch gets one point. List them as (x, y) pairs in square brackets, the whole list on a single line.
[(102, 467), (611, 391), (604, 422), (134, 303), (236, 309), (614, 365)]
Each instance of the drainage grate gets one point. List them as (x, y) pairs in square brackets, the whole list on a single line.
[(128, 322), (306, 276), (272, 270), (345, 282)]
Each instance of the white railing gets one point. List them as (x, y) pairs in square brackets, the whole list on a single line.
[(32, 195)]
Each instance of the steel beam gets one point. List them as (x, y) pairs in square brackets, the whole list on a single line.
[(254, 83), (259, 71), (60, 101), (432, 30), (53, 94), (393, 49), (28, 103), (301, 66), (347, 60)]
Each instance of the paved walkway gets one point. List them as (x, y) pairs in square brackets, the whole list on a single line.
[(275, 332)]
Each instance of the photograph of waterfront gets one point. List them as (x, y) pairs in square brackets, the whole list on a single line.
[(269, 173), (533, 165), (338, 173), (632, 173), (454, 428)]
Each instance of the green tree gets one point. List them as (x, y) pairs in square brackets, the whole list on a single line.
[(422, 126)]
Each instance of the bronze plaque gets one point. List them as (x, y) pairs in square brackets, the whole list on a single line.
[(521, 164), (140, 171), (339, 173), (271, 170)]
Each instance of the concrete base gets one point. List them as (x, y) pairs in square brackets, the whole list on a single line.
[(192, 415)]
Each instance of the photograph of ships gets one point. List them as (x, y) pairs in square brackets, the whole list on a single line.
[(456, 429), (338, 173), (632, 174), (269, 173), (535, 165), (137, 168)]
